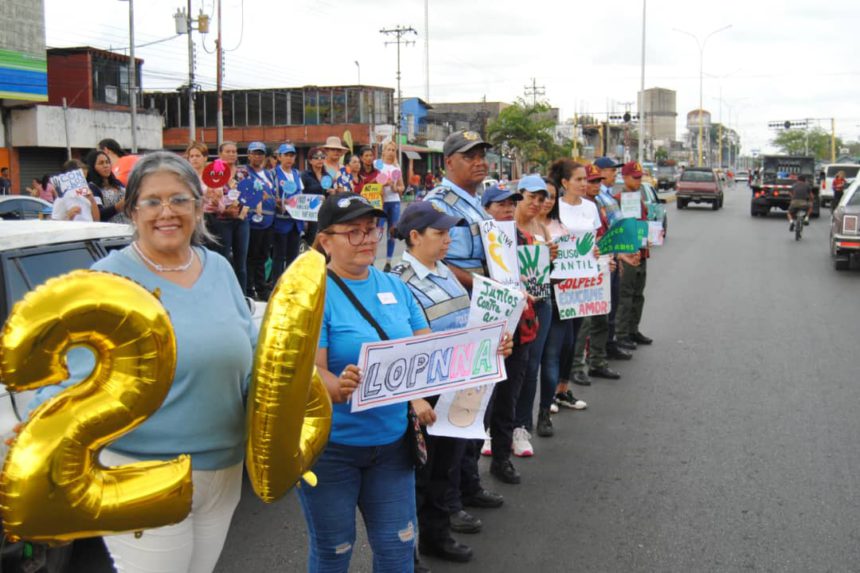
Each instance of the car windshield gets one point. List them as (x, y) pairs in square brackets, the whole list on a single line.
[(698, 176), (850, 170)]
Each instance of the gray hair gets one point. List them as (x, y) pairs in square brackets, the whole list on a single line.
[(167, 162)]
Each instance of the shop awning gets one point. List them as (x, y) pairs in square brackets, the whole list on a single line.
[(411, 154)]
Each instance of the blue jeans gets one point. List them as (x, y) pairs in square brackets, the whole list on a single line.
[(392, 212), (559, 343), (380, 481), (235, 235), (526, 401)]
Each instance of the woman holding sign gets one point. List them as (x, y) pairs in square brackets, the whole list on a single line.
[(368, 461), (288, 231), (203, 414), (558, 349), (315, 181), (530, 231), (446, 305)]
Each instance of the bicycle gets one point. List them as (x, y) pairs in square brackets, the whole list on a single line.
[(799, 223)]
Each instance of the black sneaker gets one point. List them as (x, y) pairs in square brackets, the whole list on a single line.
[(568, 400), (544, 424)]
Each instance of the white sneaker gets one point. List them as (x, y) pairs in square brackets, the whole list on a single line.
[(487, 448), (522, 447), (553, 408)]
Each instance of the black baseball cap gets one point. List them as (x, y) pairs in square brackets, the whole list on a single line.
[(422, 214), (343, 208), (463, 141)]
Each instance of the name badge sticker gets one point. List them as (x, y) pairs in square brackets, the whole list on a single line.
[(387, 298)]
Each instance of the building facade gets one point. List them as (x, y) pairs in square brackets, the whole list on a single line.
[(305, 116)]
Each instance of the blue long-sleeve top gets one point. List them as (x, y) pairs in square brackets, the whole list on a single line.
[(203, 414)]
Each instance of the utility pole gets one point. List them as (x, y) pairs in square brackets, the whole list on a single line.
[(427, 51), (398, 32), (641, 155), (132, 77), (534, 91), (219, 53), (192, 114), (832, 140)]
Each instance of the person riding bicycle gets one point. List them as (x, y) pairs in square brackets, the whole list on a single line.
[(801, 199)]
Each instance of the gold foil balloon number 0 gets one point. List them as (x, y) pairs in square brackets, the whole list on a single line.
[(52, 487), (289, 409)]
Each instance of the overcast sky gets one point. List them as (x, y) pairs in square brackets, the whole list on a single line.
[(778, 60)]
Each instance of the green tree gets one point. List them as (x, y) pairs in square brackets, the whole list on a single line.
[(527, 130), (661, 154), (794, 142)]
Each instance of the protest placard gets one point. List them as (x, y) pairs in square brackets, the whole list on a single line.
[(575, 257), (493, 301), (460, 414), (304, 207), (655, 233), (534, 269), (500, 246), (73, 182), (585, 296), (373, 193), (400, 370), (631, 204), (624, 236)]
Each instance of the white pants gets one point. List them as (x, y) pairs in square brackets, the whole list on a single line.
[(192, 545)]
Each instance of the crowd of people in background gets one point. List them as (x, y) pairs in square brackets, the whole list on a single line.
[(412, 504)]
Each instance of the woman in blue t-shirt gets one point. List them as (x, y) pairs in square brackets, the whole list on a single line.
[(368, 461)]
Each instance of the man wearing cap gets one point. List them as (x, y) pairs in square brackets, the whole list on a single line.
[(261, 201), (287, 231), (457, 195), (612, 211), (634, 272), (466, 167), (446, 306)]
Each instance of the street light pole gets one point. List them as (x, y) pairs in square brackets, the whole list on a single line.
[(132, 77), (701, 46), (642, 93)]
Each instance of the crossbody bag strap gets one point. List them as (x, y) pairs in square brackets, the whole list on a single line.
[(357, 304)]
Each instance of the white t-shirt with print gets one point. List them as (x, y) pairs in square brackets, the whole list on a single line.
[(389, 195)]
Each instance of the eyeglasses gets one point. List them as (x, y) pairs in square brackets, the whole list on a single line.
[(318, 156), (178, 204), (357, 236)]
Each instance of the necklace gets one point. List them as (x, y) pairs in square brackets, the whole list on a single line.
[(162, 268)]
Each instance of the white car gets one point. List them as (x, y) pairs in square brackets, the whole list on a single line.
[(830, 171), (31, 252)]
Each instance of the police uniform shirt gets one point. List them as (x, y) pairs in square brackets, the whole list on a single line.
[(466, 250), (444, 300)]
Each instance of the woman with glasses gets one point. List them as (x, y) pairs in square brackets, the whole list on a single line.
[(391, 178), (109, 193), (315, 181), (367, 463), (203, 414)]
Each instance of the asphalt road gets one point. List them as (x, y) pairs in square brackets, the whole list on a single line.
[(728, 445)]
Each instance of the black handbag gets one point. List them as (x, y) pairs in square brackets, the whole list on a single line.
[(414, 434)]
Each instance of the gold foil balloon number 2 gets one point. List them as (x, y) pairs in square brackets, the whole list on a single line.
[(53, 488)]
